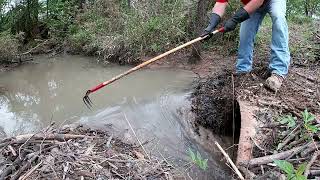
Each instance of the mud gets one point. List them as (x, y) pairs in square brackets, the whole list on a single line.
[(214, 104)]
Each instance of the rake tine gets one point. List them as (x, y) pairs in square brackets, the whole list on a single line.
[(87, 101)]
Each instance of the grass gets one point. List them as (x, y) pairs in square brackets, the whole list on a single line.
[(114, 31), (8, 47)]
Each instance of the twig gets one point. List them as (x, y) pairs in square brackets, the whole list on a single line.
[(230, 161), (294, 143), (34, 48), (32, 158), (45, 132), (24, 144), (259, 147), (310, 149), (315, 172), (25, 176), (59, 137), (312, 79), (10, 169), (118, 174), (313, 159), (136, 136), (290, 137), (233, 111), (12, 150)]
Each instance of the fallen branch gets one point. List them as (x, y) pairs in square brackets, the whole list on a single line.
[(29, 52), (310, 149), (125, 117), (12, 150), (27, 165), (24, 138), (312, 79), (289, 138), (268, 159), (315, 172), (11, 168), (313, 159), (230, 161), (25, 176)]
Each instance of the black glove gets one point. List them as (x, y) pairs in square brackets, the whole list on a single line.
[(240, 16), (214, 21)]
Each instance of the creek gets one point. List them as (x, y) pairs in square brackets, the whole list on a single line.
[(51, 89)]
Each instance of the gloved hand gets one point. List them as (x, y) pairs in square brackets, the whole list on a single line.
[(214, 21), (240, 16)]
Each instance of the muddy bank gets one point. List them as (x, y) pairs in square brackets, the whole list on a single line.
[(266, 134), (79, 153)]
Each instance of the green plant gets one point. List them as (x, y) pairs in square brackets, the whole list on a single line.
[(291, 173), (288, 120), (308, 120), (81, 38), (154, 26), (8, 46), (197, 159)]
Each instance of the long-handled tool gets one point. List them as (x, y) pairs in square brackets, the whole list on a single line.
[(86, 98)]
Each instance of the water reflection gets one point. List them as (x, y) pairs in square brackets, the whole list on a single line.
[(14, 122)]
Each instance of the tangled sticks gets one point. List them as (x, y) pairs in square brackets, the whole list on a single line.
[(77, 153)]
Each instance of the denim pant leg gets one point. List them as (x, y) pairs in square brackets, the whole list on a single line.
[(280, 55), (248, 31)]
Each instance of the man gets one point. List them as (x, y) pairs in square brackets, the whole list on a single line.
[(250, 16)]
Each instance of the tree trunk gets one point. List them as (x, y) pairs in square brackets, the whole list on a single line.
[(129, 3), (306, 7), (47, 9), (197, 26)]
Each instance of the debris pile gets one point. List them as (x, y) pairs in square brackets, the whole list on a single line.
[(77, 153), (290, 143)]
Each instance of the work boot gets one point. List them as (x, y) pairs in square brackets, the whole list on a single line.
[(274, 82)]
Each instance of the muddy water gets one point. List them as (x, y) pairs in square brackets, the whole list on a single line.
[(51, 89)]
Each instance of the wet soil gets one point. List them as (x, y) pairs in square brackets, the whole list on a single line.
[(215, 106)]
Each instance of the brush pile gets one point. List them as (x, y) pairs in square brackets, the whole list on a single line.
[(290, 143), (77, 153)]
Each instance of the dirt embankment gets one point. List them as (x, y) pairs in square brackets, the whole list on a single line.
[(221, 101), (274, 126)]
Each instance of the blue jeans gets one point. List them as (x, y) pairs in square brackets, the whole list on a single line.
[(280, 55)]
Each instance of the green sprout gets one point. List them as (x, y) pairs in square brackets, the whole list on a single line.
[(308, 120), (291, 173), (197, 159), (289, 120)]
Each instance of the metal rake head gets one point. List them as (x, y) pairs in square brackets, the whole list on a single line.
[(87, 101)]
